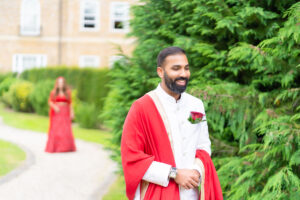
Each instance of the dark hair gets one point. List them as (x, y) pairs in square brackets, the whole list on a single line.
[(163, 54)]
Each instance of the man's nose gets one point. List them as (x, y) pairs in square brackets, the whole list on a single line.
[(183, 72)]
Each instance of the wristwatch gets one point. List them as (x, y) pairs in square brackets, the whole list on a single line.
[(173, 173)]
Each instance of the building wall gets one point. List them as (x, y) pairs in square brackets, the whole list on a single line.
[(71, 43)]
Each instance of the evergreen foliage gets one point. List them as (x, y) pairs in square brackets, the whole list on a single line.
[(245, 64), (40, 95), (86, 114), (128, 84)]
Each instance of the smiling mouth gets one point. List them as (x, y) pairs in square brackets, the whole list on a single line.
[(181, 82)]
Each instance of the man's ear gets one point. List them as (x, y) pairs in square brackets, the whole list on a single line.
[(160, 72)]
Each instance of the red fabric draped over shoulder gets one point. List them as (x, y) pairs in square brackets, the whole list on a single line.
[(212, 188), (145, 140)]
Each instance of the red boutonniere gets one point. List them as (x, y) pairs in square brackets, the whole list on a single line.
[(196, 117)]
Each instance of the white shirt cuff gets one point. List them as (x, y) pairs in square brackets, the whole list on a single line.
[(158, 173)]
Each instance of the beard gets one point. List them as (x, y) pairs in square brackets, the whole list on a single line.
[(171, 84)]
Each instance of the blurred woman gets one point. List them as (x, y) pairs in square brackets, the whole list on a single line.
[(60, 137)]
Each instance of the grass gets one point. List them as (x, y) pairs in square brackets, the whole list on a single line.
[(117, 190), (11, 157), (34, 122)]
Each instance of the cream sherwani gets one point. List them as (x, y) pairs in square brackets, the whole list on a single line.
[(187, 138)]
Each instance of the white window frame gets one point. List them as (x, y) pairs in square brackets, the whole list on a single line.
[(83, 5), (30, 9), (113, 18), (82, 61), (18, 62), (113, 59)]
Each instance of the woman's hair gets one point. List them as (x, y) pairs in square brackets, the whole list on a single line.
[(66, 89)]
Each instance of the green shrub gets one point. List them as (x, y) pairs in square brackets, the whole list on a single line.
[(75, 100), (20, 92), (86, 114), (7, 75), (39, 96), (5, 84), (7, 99)]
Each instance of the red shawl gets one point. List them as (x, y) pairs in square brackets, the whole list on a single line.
[(211, 189), (145, 140)]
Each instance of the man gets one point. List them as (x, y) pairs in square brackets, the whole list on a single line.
[(165, 145)]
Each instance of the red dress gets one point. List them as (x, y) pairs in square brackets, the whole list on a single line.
[(60, 137)]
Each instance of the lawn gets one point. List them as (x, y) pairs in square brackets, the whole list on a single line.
[(11, 157), (117, 190), (31, 121)]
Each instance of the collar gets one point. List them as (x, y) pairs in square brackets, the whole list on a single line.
[(164, 95)]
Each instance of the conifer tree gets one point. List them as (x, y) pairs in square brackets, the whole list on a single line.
[(245, 63)]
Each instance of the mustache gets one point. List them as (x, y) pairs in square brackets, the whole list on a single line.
[(181, 78)]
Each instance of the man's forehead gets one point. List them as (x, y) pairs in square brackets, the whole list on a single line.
[(177, 59)]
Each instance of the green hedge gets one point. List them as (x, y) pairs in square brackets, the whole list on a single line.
[(39, 96), (91, 84), (30, 92), (3, 76), (5, 84), (86, 114)]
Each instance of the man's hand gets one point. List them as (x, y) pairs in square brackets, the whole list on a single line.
[(187, 178)]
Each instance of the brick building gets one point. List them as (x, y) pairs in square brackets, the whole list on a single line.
[(39, 33)]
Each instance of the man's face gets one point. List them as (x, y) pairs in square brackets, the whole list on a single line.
[(176, 73)]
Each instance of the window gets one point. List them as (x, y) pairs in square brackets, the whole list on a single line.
[(89, 61), (114, 59), (30, 18), (120, 16), (89, 15), (23, 62)]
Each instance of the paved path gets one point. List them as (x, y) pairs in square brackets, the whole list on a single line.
[(82, 175)]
